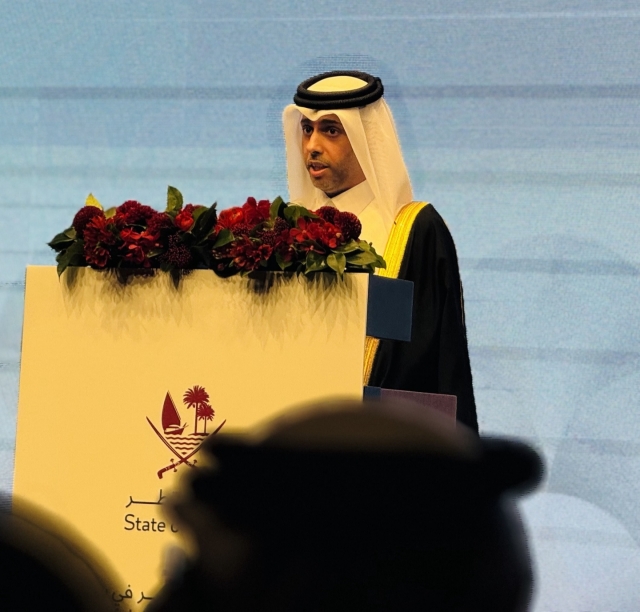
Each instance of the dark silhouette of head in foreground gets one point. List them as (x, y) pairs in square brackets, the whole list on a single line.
[(45, 566), (358, 507)]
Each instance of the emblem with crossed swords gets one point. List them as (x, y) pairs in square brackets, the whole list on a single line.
[(171, 425), (181, 458)]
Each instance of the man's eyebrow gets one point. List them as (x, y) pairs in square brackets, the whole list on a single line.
[(329, 122), (323, 122)]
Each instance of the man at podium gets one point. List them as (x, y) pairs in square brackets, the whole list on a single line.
[(343, 152)]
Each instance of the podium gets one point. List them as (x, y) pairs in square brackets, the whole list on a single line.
[(121, 384)]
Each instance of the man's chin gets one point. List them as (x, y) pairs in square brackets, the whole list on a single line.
[(320, 184)]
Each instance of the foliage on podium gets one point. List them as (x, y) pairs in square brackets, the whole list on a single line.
[(259, 235)]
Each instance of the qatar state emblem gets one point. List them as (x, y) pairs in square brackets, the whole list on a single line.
[(175, 433)]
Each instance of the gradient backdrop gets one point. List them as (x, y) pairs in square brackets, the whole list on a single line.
[(519, 121)]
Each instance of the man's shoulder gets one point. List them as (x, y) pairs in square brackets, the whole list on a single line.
[(429, 244), (427, 220)]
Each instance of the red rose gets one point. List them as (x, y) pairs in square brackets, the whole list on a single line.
[(264, 208), (255, 212), (229, 218), (184, 219)]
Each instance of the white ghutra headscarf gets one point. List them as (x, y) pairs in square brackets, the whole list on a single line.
[(372, 134)]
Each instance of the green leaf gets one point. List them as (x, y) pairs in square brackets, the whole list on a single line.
[(61, 246), (205, 222), (282, 264), (337, 262), (73, 256), (276, 207), (314, 262), (224, 237), (174, 200), (363, 258), (198, 211), (349, 247), (110, 212), (291, 214), (294, 211), (62, 240)]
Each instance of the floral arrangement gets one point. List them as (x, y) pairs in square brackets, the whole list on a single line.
[(259, 235)]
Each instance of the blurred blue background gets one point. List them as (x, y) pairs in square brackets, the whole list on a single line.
[(521, 124)]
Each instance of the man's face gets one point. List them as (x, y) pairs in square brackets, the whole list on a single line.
[(328, 155)]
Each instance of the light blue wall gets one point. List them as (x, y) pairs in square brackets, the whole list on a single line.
[(521, 125)]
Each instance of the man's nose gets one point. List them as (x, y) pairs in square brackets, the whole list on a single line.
[(313, 143)]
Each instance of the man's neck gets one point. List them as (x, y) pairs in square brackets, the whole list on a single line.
[(353, 200)]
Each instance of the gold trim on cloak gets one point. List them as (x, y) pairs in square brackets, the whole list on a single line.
[(393, 255)]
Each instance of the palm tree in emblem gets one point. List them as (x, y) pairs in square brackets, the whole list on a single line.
[(205, 413), (197, 398)]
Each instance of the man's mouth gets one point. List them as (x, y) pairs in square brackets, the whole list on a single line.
[(316, 168)]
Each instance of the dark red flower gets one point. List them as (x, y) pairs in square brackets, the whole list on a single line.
[(134, 254), (99, 235), (177, 254), (271, 237), (134, 213), (98, 256), (242, 229), (313, 233), (150, 240), (247, 254), (328, 213), (136, 246), (158, 222), (99, 231), (83, 216), (349, 224), (280, 225)]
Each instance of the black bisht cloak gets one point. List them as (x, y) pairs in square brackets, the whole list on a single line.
[(437, 358)]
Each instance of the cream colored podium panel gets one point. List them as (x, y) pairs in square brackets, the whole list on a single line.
[(114, 381)]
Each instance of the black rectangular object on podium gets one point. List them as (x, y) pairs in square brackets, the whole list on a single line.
[(389, 308)]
